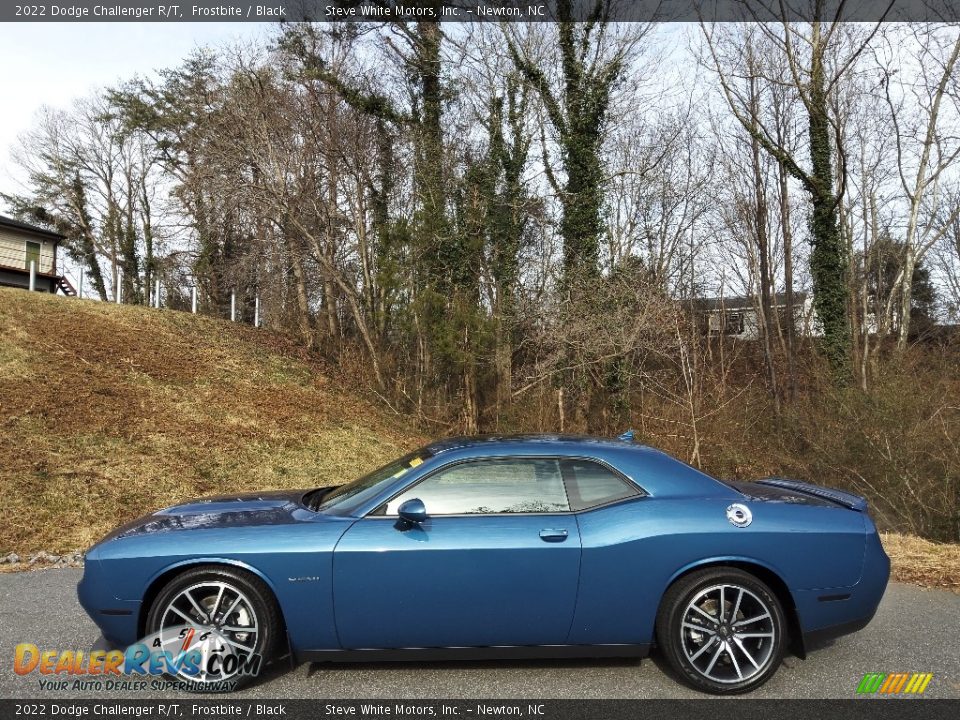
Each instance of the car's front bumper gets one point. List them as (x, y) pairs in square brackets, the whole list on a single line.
[(117, 619)]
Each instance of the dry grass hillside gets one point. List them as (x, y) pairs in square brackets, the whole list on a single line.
[(107, 412), (921, 562)]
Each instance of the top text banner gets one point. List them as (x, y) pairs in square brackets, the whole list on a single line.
[(372, 11)]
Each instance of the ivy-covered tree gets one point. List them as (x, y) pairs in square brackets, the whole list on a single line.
[(590, 67), (817, 60)]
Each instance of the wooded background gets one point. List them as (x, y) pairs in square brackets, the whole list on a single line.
[(503, 228)]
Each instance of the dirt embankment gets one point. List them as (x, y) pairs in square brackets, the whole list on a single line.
[(108, 412)]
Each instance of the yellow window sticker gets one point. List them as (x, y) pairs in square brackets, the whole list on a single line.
[(415, 462)]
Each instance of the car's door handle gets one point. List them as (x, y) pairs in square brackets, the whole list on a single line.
[(551, 535)]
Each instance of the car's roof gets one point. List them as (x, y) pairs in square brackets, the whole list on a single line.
[(654, 470), (569, 443)]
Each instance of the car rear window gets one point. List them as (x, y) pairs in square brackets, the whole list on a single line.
[(590, 484)]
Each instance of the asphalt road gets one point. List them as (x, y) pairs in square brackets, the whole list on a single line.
[(915, 630)]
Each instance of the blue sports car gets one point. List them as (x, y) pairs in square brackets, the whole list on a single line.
[(498, 547)]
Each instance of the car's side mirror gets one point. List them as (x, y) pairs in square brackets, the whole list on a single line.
[(413, 511)]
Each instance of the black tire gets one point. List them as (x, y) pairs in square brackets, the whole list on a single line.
[(262, 607), (689, 648)]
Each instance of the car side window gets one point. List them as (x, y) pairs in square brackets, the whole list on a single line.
[(590, 484), (482, 487)]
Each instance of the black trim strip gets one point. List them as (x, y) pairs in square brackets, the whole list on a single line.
[(817, 638), (116, 612), (497, 652), (833, 598)]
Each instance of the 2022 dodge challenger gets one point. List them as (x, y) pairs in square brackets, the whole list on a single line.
[(502, 547)]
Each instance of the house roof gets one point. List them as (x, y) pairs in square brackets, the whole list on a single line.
[(737, 302), (6, 222)]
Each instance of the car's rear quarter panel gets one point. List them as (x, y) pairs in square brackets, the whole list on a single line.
[(634, 550)]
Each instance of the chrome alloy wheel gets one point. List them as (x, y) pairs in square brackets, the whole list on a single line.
[(214, 618), (727, 634)]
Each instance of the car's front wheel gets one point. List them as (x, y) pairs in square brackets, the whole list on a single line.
[(722, 630), (219, 626)]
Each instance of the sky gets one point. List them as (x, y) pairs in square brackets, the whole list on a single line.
[(54, 63)]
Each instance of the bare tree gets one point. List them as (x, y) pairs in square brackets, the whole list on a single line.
[(925, 112), (93, 181), (818, 56)]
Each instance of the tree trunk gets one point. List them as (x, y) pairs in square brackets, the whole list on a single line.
[(333, 238), (471, 418), (790, 312), (828, 259), (88, 248), (304, 320), (147, 221), (760, 221), (503, 359), (906, 294)]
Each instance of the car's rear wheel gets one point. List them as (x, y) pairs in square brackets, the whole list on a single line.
[(722, 630), (222, 621)]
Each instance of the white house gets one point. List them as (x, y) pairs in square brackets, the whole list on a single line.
[(20, 244), (739, 317)]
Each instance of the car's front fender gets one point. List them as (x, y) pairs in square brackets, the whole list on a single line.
[(295, 562)]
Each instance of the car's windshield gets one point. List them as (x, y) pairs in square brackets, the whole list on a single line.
[(387, 473)]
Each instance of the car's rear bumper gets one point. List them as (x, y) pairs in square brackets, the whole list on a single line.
[(823, 636), (828, 613)]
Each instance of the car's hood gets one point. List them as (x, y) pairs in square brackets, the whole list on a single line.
[(239, 509)]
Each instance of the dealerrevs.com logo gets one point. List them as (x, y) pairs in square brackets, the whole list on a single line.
[(187, 658), (894, 683)]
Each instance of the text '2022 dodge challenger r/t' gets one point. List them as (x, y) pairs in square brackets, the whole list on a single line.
[(498, 547)]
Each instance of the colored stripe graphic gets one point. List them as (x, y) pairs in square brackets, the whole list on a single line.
[(894, 683), (889, 683), (871, 682), (901, 681)]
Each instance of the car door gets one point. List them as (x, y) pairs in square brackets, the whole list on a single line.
[(496, 562)]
